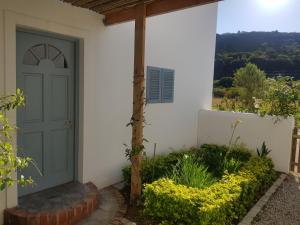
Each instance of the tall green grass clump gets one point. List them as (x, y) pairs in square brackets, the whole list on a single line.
[(190, 173)]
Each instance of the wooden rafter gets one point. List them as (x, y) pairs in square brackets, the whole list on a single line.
[(152, 9), (118, 11), (93, 4), (115, 5)]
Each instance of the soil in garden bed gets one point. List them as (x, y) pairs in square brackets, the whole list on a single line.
[(135, 213)]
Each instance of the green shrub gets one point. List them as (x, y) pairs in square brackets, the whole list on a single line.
[(155, 168), (223, 203), (214, 157), (190, 173), (218, 158), (231, 165)]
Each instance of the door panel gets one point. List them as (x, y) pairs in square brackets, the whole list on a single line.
[(33, 143), (33, 87), (45, 72), (59, 153), (59, 97)]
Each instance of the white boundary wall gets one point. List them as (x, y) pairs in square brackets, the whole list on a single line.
[(215, 128)]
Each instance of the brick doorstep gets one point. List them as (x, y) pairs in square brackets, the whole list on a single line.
[(63, 216)]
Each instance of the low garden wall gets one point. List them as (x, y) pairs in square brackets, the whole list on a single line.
[(215, 127)]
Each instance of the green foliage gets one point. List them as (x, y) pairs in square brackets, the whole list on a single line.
[(281, 98), (274, 52), (213, 157), (9, 161), (131, 152), (157, 167), (11, 101), (219, 159), (232, 165), (222, 203), (263, 151), (216, 158), (250, 80), (190, 173)]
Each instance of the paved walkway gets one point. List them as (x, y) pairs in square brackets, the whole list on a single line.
[(283, 207), (107, 210)]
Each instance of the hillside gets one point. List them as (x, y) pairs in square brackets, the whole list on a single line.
[(274, 52)]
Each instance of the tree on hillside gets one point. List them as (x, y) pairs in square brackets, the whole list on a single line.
[(274, 52), (250, 82)]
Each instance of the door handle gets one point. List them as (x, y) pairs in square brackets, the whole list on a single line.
[(68, 124)]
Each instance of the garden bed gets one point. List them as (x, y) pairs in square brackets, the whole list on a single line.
[(231, 181)]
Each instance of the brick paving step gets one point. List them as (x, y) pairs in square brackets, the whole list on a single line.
[(67, 204)]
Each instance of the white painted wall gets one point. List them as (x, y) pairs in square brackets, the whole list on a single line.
[(215, 128), (184, 41)]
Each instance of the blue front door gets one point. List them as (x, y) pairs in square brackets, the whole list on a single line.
[(45, 72)]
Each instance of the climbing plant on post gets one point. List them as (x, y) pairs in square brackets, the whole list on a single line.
[(9, 161), (137, 120)]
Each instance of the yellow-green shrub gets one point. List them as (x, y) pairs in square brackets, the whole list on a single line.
[(220, 204)]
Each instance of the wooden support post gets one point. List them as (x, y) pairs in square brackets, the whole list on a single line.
[(138, 102)]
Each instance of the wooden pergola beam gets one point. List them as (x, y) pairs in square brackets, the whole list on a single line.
[(152, 9)]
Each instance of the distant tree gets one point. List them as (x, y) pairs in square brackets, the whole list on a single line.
[(250, 82)]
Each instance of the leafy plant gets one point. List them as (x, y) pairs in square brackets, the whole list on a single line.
[(231, 165), (212, 156), (9, 161), (263, 151), (131, 152), (190, 173), (157, 167), (218, 158)]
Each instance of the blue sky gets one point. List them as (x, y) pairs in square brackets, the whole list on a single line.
[(259, 15)]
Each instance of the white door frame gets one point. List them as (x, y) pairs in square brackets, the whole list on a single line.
[(14, 20)]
